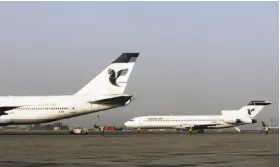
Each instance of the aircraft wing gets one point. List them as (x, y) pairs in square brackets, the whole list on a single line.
[(3, 109), (273, 127), (269, 127), (194, 126)]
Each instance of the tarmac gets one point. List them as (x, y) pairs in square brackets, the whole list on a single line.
[(67, 132), (149, 149)]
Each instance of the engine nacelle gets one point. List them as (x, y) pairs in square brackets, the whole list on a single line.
[(232, 121), (4, 121), (248, 121)]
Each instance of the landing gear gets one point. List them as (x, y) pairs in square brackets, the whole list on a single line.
[(201, 131)]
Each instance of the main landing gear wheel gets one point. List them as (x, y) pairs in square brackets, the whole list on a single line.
[(201, 131)]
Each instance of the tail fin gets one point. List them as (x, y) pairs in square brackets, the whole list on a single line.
[(113, 79), (263, 124), (254, 107)]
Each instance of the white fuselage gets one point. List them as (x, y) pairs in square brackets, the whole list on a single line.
[(170, 122), (227, 119), (103, 92), (39, 109)]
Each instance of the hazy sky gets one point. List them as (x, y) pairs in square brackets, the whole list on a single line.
[(195, 57)]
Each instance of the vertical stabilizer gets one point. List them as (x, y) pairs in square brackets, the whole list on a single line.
[(254, 107), (113, 79)]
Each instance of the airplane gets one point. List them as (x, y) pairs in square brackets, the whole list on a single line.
[(269, 127), (228, 119), (104, 92)]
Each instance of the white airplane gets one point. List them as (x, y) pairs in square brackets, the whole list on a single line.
[(105, 91), (228, 119)]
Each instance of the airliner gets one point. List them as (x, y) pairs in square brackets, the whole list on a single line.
[(105, 91), (227, 119)]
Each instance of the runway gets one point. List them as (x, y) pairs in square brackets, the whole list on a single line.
[(149, 150), (110, 133)]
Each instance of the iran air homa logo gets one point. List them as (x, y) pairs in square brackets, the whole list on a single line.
[(113, 76), (250, 111)]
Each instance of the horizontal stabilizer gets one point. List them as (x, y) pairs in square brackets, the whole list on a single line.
[(120, 100), (259, 103)]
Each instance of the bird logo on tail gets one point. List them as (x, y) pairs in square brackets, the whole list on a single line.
[(113, 76), (250, 111)]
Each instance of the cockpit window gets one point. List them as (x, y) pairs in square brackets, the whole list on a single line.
[(131, 120)]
